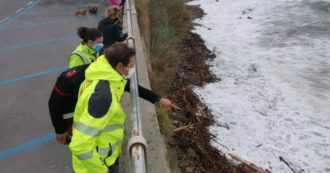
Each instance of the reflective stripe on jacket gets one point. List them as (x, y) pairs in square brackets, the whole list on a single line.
[(82, 55), (98, 119)]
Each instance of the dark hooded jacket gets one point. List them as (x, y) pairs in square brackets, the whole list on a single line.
[(111, 31)]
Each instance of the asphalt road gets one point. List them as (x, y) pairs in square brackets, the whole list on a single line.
[(37, 37), (8, 8)]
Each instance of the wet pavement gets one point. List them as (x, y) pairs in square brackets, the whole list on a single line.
[(37, 37)]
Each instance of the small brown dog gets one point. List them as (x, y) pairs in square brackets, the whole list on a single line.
[(81, 12), (92, 10)]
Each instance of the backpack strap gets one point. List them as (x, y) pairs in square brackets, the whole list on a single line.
[(82, 55)]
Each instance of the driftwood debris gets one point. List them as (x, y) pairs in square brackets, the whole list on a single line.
[(190, 126), (248, 164), (193, 143)]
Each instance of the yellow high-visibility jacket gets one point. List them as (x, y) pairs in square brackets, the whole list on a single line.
[(98, 130), (82, 55)]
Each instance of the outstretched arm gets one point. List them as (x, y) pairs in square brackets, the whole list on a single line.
[(152, 97)]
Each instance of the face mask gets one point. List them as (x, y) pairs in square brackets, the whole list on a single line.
[(130, 74), (98, 47)]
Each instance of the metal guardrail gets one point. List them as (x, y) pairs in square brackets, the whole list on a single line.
[(137, 145)]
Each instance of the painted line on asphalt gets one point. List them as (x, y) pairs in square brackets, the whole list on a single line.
[(34, 75), (65, 8), (19, 10), (57, 9), (47, 11), (29, 3), (4, 19), (26, 146), (18, 14), (68, 37), (38, 24)]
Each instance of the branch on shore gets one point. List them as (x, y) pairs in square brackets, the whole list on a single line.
[(248, 164), (190, 126)]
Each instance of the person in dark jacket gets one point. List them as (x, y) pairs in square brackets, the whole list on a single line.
[(111, 28), (64, 97), (63, 100)]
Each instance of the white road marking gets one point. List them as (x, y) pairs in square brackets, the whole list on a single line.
[(30, 3), (19, 10), (4, 19)]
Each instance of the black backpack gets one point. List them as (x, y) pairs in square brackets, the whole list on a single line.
[(69, 81)]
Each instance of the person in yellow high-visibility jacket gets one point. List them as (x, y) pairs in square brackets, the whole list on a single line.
[(87, 51), (98, 129)]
